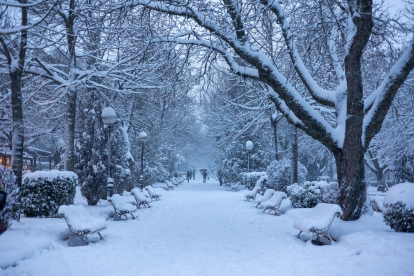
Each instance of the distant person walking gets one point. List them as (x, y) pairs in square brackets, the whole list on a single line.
[(188, 176), (204, 176), (193, 174), (220, 177)]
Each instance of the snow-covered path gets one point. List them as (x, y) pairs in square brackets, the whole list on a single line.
[(204, 229)]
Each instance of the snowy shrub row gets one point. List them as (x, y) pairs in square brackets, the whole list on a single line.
[(399, 207), (310, 193), (250, 179), (12, 190), (42, 192)]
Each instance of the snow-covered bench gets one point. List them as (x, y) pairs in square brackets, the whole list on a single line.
[(266, 196), (252, 194), (140, 198), (81, 224), (235, 187), (152, 193), (175, 181), (170, 185), (376, 206), (121, 207), (319, 221), (274, 202)]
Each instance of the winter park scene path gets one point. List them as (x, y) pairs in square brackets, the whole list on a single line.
[(206, 229)]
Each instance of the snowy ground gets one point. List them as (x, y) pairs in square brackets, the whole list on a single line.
[(205, 229)]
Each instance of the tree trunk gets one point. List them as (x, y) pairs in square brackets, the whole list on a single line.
[(351, 180), (18, 124), (295, 155), (70, 131), (274, 126)]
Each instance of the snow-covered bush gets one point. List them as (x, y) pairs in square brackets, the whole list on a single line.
[(42, 192), (250, 179), (399, 207), (306, 195), (231, 171), (12, 190), (330, 193), (279, 172)]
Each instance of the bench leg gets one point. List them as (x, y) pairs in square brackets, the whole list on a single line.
[(300, 232)]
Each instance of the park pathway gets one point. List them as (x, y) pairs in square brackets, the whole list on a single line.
[(198, 229)]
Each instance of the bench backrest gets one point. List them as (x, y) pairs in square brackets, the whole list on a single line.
[(276, 198), (253, 192), (120, 203), (79, 219)]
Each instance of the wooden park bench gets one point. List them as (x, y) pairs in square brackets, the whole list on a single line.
[(376, 206), (274, 202), (266, 196), (252, 194), (235, 187), (175, 181), (122, 208), (152, 193), (140, 198), (319, 222), (170, 185), (81, 224)]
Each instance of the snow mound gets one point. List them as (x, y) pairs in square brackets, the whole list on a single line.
[(403, 192)]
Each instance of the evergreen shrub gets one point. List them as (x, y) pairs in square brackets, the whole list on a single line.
[(250, 179), (42, 192), (399, 217), (10, 187)]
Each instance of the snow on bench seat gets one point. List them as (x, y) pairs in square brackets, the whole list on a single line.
[(152, 193), (121, 206), (140, 198), (319, 221), (81, 223), (266, 196), (252, 194), (274, 202)]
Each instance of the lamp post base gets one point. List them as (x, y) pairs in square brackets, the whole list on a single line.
[(110, 187)]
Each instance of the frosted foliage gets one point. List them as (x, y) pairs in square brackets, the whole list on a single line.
[(399, 217), (43, 192), (309, 194), (279, 173), (12, 190)]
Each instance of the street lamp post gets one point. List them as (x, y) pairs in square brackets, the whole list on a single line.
[(142, 138), (249, 147), (108, 118), (169, 163)]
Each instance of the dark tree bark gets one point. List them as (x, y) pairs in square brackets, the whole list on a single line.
[(295, 155), (16, 65)]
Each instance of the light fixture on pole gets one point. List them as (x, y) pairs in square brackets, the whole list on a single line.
[(249, 147), (142, 137), (108, 118)]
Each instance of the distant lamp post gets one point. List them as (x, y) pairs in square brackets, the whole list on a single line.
[(178, 163), (249, 147), (108, 118), (142, 137)]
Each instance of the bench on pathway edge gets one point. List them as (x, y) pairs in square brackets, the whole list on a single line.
[(140, 198), (170, 185), (235, 187), (152, 193), (266, 196), (273, 203), (122, 207), (319, 222), (252, 194), (81, 224)]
